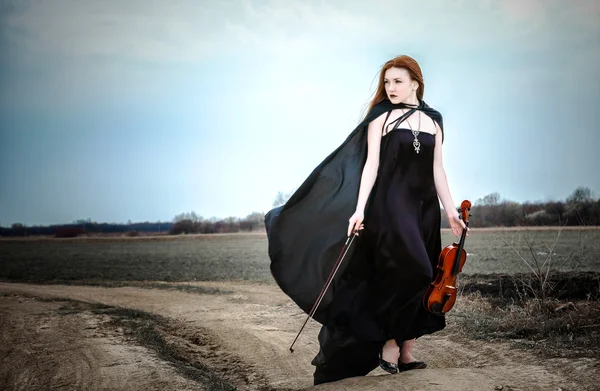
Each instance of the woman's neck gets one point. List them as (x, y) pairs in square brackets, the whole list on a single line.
[(411, 100)]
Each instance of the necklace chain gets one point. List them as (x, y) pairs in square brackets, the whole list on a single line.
[(416, 143)]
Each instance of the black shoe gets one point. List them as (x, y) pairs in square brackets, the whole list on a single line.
[(411, 365), (386, 365)]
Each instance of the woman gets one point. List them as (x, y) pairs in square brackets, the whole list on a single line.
[(389, 173), (404, 222)]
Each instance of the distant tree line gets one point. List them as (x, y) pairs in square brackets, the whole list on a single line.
[(580, 208), (184, 223), (187, 223), (88, 226)]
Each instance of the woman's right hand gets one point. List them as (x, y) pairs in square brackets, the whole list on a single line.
[(355, 222)]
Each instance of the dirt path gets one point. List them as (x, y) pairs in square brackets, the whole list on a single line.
[(41, 349), (242, 336)]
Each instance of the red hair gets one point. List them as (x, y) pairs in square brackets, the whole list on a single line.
[(413, 69)]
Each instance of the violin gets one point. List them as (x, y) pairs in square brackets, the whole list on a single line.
[(441, 294)]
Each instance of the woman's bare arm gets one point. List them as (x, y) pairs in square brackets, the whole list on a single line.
[(369, 173), (442, 188), (439, 175)]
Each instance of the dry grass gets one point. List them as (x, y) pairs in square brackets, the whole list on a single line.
[(546, 309), (544, 265), (553, 329)]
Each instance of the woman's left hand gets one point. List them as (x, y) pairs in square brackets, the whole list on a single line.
[(457, 225)]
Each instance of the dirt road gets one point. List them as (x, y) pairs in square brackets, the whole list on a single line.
[(242, 336)]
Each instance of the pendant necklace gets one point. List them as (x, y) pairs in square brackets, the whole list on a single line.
[(415, 133)]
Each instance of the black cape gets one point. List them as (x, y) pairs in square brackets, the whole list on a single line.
[(306, 234)]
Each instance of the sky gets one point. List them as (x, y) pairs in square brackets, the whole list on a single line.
[(142, 110)]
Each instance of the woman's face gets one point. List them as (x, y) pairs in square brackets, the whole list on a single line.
[(398, 84)]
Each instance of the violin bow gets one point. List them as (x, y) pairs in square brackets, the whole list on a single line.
[(335, 268)]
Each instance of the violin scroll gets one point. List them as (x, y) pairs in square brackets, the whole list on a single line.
[(465, 207)]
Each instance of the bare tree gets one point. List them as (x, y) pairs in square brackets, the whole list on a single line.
[(281, 199), (580, 195), (490, 199)]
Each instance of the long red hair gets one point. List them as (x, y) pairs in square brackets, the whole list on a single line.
[(406, 62)]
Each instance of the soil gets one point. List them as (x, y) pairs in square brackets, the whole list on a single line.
[(52, 337)]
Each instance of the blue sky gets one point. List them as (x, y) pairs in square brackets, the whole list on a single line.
[(136, 110)]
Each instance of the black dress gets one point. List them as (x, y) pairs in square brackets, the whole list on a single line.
[(382, 299), (375, 294)]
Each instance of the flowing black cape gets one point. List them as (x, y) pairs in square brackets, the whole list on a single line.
[(306, 234)]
